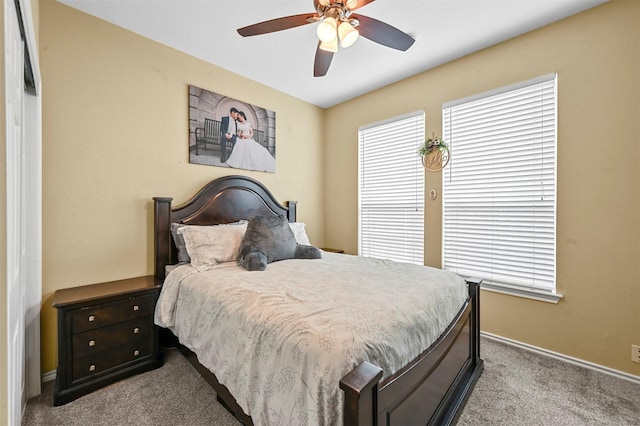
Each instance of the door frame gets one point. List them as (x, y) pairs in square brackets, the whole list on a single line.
[(33, 146)]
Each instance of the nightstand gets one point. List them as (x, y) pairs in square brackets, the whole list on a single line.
[(332, 250), (105, 333)]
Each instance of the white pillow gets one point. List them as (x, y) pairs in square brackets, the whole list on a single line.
[(299, 232), (210, 245)]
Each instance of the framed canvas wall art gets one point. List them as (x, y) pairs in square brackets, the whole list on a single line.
[(226, 132)]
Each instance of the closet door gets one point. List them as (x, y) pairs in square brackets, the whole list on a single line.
[(16, 213)]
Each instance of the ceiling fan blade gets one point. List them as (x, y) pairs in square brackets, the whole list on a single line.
[(278, 24), (357, 4), (350, 4), (383, 33), (322, 62)]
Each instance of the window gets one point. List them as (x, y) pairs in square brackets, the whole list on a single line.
[(499, 189), (391, 193)]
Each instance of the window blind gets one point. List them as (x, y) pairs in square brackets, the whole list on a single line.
[(499, 189), (391, 189)]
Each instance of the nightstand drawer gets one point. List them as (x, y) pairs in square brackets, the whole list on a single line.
[(94, 341), (117, 356), (102, 315)]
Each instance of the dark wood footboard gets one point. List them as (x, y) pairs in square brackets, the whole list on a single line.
[(430, 390), (223, 395)]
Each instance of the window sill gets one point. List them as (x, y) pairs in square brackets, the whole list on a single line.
[(542, 296)]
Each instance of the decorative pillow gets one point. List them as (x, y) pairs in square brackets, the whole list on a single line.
[(210, 245), (300, 233), (178, 239), (269, 239)]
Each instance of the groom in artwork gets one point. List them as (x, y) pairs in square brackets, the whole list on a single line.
[(228, 133)]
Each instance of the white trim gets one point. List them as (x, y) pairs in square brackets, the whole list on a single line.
[(392, 119), (528, 293), (560, 357), (49, 376), (515, 86)]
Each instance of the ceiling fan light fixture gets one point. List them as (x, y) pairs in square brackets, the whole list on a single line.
[(327, 30), (351, 4), (348, 35), (336, 24), (330, 46)]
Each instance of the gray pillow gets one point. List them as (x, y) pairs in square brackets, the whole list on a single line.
[(269, 239), (178, 239)]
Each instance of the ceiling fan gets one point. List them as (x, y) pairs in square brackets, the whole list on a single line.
[(336, 22)]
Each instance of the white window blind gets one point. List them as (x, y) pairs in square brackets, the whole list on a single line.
[(499, 189), (391, 195)]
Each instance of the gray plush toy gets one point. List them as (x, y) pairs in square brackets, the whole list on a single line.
[(269, 239)]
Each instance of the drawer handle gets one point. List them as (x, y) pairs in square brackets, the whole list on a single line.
[(136, 330), (136, 307), (136, 353), (92, 342), (92, 368), (92, 318)]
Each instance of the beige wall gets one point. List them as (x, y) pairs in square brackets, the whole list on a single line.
[(597, 57), (115, 134)]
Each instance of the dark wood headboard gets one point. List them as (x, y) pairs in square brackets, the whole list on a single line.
[(224, 200)]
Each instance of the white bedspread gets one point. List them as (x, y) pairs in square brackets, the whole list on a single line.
[(282, 339)]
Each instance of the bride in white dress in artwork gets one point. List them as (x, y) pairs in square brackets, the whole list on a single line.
[(247, 153)]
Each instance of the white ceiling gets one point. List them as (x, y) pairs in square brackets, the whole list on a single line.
[(444, 30)]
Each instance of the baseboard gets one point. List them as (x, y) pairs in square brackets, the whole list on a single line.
[(571, 360), (49, 376)]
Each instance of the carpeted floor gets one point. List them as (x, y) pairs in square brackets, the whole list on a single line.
[(517, 387)]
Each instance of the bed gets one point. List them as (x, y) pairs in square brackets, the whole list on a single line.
[(431, 387)]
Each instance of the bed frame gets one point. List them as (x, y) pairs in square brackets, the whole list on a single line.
[(432, 389)]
